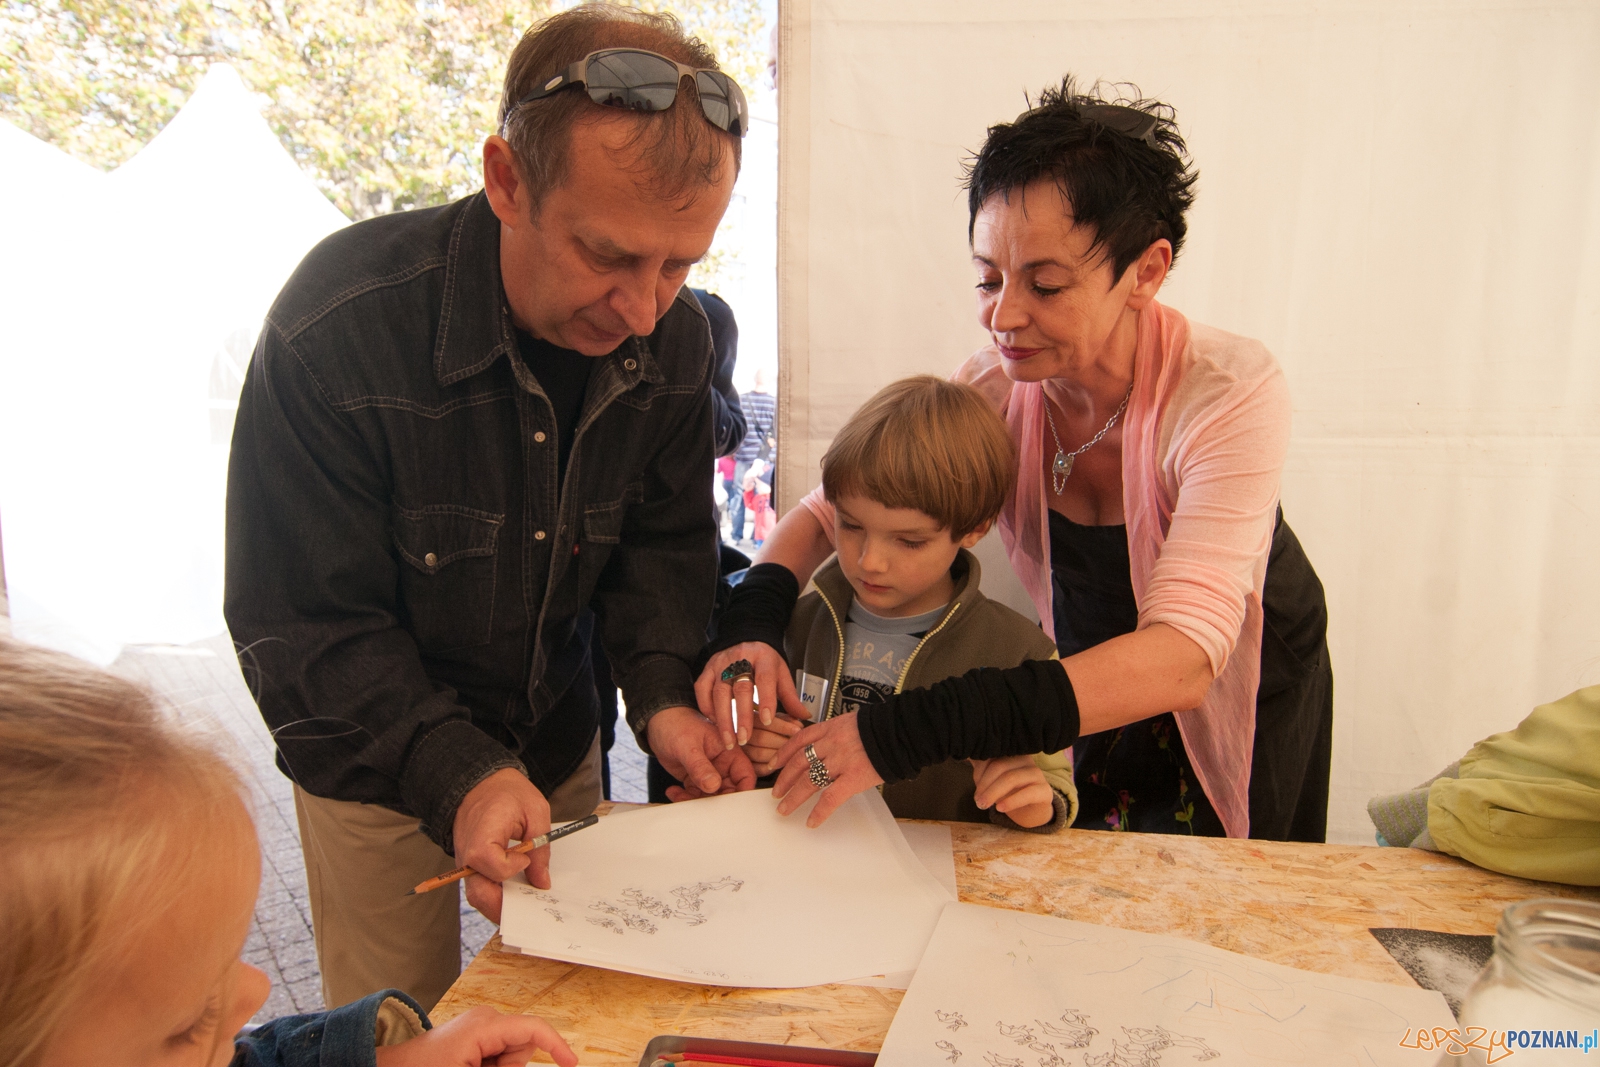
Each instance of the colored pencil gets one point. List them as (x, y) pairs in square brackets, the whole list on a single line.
[(694, 1059), (526, 846)]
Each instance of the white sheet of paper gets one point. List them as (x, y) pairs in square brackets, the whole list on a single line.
[(934, 850), (725, 891), (1009, 989), (931, 843)]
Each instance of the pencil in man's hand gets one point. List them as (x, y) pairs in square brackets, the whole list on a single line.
[(527, 846)]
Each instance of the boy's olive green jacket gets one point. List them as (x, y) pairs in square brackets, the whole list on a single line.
[(974, 631)]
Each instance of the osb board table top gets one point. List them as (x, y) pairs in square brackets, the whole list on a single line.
[(1307, 906)]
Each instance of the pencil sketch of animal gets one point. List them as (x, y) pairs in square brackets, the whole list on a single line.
[(1022, 1035), (1156, 1038), (627, 918), (1048, 1057), (639, 899), (1075, 1031), (948, 1047), (994, 1059), (691, 897), (607, 924), (1122, 1056), (950, 1019)]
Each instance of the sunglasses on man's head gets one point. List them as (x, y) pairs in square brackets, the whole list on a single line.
[(1128, 121), (636, 80)]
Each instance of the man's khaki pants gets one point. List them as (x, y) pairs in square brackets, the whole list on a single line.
[(361, 859)]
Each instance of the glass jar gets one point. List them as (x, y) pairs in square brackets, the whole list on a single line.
[(1539, 995)]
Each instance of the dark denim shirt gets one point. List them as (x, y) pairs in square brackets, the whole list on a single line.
[(404, 575), (343, 1037)]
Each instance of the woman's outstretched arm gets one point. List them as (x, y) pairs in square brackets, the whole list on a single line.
[(1040, 706)]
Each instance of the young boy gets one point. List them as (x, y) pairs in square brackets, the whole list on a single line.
[(916, 477)]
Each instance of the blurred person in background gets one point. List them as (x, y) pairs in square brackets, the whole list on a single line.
[(760, 442)]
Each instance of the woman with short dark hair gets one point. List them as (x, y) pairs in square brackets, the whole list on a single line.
[(1194, 681)]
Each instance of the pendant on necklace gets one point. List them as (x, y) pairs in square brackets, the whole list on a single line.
[(1062, 467)]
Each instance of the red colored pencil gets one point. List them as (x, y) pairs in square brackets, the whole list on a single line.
[(690, 1059)]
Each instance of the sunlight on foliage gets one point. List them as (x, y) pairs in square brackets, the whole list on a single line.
[(385, 103)]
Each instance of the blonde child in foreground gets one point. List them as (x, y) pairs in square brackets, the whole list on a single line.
[(916, 478), (128, 876)]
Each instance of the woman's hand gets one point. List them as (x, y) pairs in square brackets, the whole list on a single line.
[(772, 683), (837, 744), (1015, 786), (479, 1038)]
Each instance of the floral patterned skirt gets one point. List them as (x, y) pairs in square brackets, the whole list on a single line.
[(1138, 777)]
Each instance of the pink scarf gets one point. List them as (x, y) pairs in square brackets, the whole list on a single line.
[(1219, 734)]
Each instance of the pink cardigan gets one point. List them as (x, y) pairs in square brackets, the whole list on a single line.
[(1203, 446)]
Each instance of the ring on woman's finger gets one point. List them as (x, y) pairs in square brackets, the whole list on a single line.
[(819, 772), (740, 670)]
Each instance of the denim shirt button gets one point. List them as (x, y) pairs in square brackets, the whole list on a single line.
[(539, 436), (538, 535), (631, 364), (431, 560)]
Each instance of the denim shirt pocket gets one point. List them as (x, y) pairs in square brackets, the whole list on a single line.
[(602, 530), (447, 584)]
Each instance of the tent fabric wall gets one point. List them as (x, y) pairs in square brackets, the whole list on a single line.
[(130, 302), (1401, 199)]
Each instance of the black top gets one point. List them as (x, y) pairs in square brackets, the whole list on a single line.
[(1136, 777), (1092, 584), (564, 376)]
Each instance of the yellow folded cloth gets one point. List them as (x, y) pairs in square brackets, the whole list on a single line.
[(1527, 802)]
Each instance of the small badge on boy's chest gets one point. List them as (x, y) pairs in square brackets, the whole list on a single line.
[(813, 690)]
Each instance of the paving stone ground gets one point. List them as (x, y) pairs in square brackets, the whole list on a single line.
[(204, 679)]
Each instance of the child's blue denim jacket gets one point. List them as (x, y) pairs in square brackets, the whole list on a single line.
[(344, 1037)]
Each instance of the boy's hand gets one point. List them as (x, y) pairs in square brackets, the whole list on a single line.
[(765, 741), (1016, 787), (479, 1038)]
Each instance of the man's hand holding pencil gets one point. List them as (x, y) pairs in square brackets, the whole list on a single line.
[(504, 807)]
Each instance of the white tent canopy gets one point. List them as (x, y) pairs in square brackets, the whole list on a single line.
[(131, 302), (1401, 199)]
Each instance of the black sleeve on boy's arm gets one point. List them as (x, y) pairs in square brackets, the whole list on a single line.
[(983, 714)]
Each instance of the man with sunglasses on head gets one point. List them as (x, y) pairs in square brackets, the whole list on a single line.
[(461, 426)]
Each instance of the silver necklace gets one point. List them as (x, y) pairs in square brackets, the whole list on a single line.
[(1061, 468)]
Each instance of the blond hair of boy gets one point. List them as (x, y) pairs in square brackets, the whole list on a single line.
[(917, 476), (128, 874)]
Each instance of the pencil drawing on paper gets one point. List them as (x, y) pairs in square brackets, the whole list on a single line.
[(691, 897), (1140, 1046), (1026, 990), (639, 911), (1073, 1030), (1145, 1046)]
